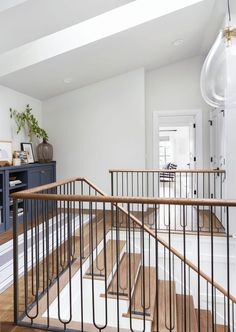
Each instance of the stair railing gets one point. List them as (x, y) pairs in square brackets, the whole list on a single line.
[(172, 183), (90, 264)]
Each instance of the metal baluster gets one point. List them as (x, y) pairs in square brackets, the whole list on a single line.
[(198, 275), (157, 270), (117, 268), (47, 262), (228, 267), (212, 270), (184, 250), (15, 260), (81, 270)]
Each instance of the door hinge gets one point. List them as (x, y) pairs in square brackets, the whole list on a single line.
[(211, 159), (194, 159), (223, 111), (194, 125), (210, 122), (212, 196), (195, 192)]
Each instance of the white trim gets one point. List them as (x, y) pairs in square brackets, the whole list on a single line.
[(199, 132)]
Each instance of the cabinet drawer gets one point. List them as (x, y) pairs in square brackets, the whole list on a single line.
[(39, 177)]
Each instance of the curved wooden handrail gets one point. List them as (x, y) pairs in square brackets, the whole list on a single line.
[(33, 194), (52, 185), (161, 170)]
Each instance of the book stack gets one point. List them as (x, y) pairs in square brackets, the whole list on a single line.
[(14, 182), (20, 212)]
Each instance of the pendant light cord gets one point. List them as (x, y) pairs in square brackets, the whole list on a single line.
[(229, 10)]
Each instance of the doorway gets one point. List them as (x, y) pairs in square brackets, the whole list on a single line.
[(177, 138), (176, 146)]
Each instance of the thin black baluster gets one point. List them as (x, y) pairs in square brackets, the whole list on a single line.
[(198, 275), (184, 250), (212, 270), (157, 270), (228, 267)]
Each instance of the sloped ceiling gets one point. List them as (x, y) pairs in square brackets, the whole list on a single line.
[(147, 45)]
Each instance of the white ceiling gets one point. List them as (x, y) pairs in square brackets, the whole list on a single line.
[(33, 19), (148, 45), (6, 4)]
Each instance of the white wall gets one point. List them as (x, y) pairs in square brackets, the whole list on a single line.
[(230, 136), (10, 98), (175, 87), (98, 127)]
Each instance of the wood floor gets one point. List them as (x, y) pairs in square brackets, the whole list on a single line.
[(176, 219)]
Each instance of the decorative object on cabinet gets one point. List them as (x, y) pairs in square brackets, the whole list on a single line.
[(45, 152), (5, 153), (27, 119), (22, 156), (27, 147), (16, 162)]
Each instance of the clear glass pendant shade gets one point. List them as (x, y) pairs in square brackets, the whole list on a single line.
[(216, 74)]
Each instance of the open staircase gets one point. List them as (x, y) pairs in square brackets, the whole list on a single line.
[(116, 272), (172, 312)]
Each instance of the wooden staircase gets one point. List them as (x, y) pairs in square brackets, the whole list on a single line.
[(137, 286)]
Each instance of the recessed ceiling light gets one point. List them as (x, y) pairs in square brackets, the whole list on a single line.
[(67, 80), (178, 42)]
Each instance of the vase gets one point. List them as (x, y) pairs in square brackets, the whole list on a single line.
[(45, 152)]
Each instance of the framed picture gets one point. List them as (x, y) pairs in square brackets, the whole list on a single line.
[(22, 155), (5, 153), (27, 147)]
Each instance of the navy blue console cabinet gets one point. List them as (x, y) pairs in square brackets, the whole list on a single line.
[(26, 176)]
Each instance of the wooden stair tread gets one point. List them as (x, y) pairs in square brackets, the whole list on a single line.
[(98, 264), (150, 295), (206, 322), (205, 217), (221, 328), (162, 313), (191, 320), (205, 319), (135, 261)]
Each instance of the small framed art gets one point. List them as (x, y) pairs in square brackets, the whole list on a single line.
[(29, 149), (5, 152)]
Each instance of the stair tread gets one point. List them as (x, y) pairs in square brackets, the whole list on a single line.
[(150, 295), (98, 264), (164, 308), (206, 321), (124, 276), (221, 328), (191, 320), (205, 217)]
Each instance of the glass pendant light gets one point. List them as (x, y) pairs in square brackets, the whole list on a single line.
[(215, 75)]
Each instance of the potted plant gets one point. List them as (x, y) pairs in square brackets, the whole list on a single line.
[(28, 120)]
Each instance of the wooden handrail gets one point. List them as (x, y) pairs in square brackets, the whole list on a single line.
[(163, 170), (61, 183), (32, 194), (52, 185), (131, 200)]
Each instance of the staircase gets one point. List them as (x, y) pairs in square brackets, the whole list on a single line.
[(172, 312), (116, 271)]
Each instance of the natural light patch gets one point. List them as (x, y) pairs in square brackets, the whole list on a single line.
[(89, 31)]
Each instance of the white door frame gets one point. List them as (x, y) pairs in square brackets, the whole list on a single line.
[(174, 113)]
